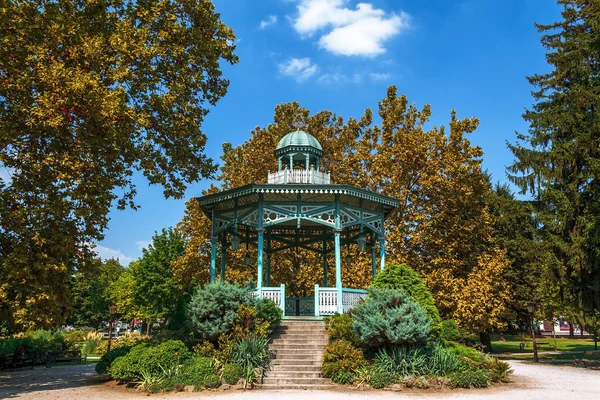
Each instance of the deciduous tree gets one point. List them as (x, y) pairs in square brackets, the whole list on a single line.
[(91, 93)]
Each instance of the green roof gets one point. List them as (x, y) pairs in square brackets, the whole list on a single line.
[(299, 138)]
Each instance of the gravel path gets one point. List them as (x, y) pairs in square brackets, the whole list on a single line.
[(529, 381)]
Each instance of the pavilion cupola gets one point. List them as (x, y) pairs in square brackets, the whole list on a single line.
[(299, 159)]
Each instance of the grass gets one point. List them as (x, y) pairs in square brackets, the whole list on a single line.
[(512, 344)]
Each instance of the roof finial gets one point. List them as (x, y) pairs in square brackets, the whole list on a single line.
[(298, 122)]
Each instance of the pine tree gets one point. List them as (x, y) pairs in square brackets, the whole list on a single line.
[(558, 161)]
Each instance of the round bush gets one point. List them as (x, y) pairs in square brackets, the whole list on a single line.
[(470, 378), (381, 379), (339, 326), (343, 377), (101, 367), (212, 308), (404, 278), (199, 367), (211, 381), (232, 373), (390, 317), (341, 356), (267, 310)]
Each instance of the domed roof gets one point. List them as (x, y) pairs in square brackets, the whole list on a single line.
[(299, 139)]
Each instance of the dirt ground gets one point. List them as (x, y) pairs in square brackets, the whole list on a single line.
[(529, 381)]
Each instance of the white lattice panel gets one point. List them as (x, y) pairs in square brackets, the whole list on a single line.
[(272, 294), (327, 301), (350, 299)]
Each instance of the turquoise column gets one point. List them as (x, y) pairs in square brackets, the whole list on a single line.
[(374, 260), (307, 161), (223, 260), (325, 266), (213, 258), (268, 269), (382, 253), (338, 271), (260, 261)]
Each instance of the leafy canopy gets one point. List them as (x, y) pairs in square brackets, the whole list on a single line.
[(92, 92)]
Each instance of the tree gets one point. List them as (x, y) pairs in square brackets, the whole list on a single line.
[(91, 294), (156, 289), (443, 227), (90, 93), (557, 162)]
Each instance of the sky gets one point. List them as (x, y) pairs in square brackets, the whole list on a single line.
[(341, 55)]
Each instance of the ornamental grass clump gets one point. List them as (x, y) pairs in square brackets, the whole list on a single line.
[(390, 318)]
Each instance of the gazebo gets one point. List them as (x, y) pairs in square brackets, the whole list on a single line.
[(298, 207)]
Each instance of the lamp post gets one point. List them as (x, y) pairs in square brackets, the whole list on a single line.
[(531, 309), (112, 310)]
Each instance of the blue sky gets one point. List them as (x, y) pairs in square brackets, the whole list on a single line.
[(341, 55)]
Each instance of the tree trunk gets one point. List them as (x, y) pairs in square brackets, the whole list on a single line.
[(486, 341), (571, 331)]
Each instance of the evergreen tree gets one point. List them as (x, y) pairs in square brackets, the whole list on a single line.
[(558, 163)]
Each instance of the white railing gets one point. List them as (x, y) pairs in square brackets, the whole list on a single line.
[(326, 300), (351, 297), (277, 294), (299, 176)]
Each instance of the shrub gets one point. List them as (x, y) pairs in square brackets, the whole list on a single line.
[(103, 366), (206, 349), (463, 351), (149, 359), (454, 333), (409, 361), (339, 326), (419, 382), (232, 373), (252, 352), (389, 317), (343, 377), (126, 340), (404, 278), (198, 367), (381, 379), (341, 357), (470, 378), (211, 381), (212, 309), (267, 310), (497, 370), (247, 323)]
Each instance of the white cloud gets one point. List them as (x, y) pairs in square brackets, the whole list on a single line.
[(271, 20), (143, 244), (338, 77), (378, 76), (106, 253), (5, 176), (358, 32), (298, 68)]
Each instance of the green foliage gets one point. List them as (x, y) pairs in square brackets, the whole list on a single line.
[(126, 340), (498, 371), (267, 310), (92, 296), (408, 361), (211, 381), (461, 350), (101, 367), (470, 378), (402, 277), (381, 379), (389, 317), (35, 345), (199, 367), (212, 309), (252, 352), (149, 359), (232, 373), (343, 377), (156, 289), (206, 349), (340, 359), (121, 89), (339, 326), (419, 382)]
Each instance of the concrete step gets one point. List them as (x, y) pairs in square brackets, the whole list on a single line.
[(295, 368), (300, 356), (296, 381), (298, 387), (300, 352), (320, 342), (293, 375), (296, 346), (296, 362)]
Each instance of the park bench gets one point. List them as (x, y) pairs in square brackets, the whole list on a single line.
[(16, 360), (592, 361), (65, 356)]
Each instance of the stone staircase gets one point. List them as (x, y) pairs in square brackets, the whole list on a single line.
[(298, 345)]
